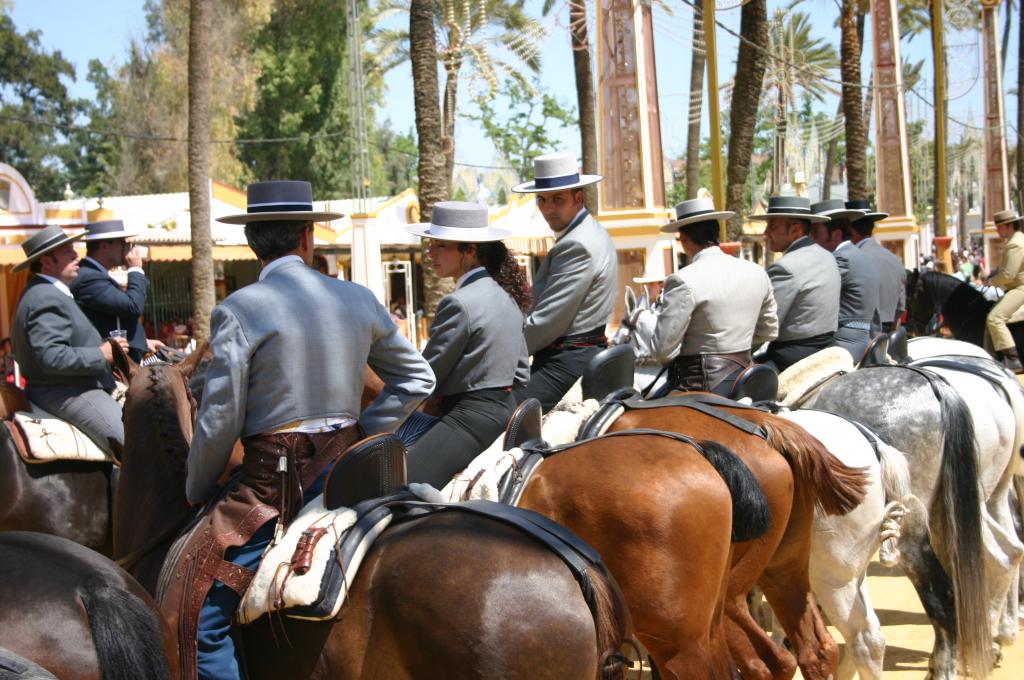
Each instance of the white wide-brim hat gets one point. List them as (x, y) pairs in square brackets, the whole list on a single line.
[(555, 172), (793, 207), (46, 240), (458, 221), (280, 200), (696, 210), (649, 277), (107, 230)]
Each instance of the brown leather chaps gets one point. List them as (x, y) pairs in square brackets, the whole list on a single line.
[(707, 372), (276, 468)]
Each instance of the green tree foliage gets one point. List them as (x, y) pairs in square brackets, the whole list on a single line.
[(91, 160), (521, 123), (394, 160), (32, 87)]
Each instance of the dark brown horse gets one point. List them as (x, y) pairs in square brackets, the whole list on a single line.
[(77, 614), (795, 472), (70, 499), (445, 596)]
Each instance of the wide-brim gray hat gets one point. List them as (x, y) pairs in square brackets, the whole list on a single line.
[(835, 209), (107, 230), (555, 172), (1006, 217), (42, 242), (458, 221), (277, 200), (867, 213), (792, 207), (696, 210)]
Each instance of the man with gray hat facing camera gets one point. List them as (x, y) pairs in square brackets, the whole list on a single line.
[(805, 282), (113, 310), (1009, 277), (65, 362), (714, 309), (858, 297), (574, 289)]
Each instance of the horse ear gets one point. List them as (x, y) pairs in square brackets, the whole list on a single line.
[(201, 353), (124, 367), (630, 300)]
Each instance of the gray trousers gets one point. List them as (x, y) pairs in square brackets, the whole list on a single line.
[(92, 411)]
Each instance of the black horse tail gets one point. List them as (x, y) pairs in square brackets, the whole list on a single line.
[(751, 516), (126, 633), (956, 516)]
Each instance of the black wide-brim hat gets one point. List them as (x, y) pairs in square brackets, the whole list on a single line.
[(42, 242), (694, 211), (792, 207), (864, 207), (835, 209), (280, 199)]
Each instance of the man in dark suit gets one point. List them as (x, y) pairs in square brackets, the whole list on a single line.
[(109, 307), (64, 360)]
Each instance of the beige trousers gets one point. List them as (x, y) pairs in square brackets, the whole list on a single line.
[(1000, 314)]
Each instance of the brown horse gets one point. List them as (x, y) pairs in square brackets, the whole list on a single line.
[(796, 472), (70, 499), (77, 614), (661, 513), (450, 595)]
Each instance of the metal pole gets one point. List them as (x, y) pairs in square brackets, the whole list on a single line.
[(711, 54), (940, 118)]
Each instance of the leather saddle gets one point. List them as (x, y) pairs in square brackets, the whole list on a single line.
[(370, 468), (758, 382), (523, 431), (877, 352), (898, 345), (609, 370)]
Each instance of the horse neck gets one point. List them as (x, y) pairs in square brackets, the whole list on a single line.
[(151, 492)]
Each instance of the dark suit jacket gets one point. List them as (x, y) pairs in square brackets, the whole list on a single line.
[(54, 343), (103, 302)]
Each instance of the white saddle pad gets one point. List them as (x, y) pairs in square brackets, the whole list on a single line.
[(49, 438), (274, 587)]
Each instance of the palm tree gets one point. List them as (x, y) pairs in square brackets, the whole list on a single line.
[(853, 112), (697, 63), (798, 62), (751, 63), (466, 33), (200, 13)]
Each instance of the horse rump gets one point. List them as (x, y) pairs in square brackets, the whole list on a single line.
[(126, 633), (751, 515)]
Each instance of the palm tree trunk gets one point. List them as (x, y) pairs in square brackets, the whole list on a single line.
[(696, 104), (584, 95), (433, 186), (746, 93), (831, 156), (200, 18), (856, 130), (450, 104), (1006, 34)]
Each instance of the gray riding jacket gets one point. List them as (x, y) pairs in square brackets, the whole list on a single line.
[(805, 282)]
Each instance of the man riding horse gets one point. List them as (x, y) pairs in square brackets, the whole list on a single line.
[(892, 275), (714, 310), (805, 282), (65, 362), (1010, 277), (574, 289), (289, 355)]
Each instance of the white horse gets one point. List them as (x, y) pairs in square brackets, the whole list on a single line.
[(841, 547)]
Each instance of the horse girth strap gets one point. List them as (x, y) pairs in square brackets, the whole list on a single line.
[(708, 404)]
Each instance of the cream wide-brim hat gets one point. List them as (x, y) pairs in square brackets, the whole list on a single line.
[(555, 172)]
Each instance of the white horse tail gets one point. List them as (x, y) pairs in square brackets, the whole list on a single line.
[(955, 515), (896, 486)]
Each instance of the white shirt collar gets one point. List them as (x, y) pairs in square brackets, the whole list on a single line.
[(706, 251), (559, 233), (61, 286), (458, 284), (275, 264)]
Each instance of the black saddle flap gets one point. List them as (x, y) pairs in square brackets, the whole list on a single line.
[(371, 467), (898, 345), (758, 382), (609, 370)]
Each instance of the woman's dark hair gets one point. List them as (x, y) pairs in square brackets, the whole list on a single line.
[(704, 234), (271, 240), (500, 264)]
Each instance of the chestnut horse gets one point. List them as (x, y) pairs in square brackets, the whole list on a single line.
[(796, 472), (449, 595), (77, 614)]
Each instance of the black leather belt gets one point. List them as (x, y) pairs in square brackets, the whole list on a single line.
[(591, 338)]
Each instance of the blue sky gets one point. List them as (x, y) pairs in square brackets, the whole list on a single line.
[(86, 30)]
